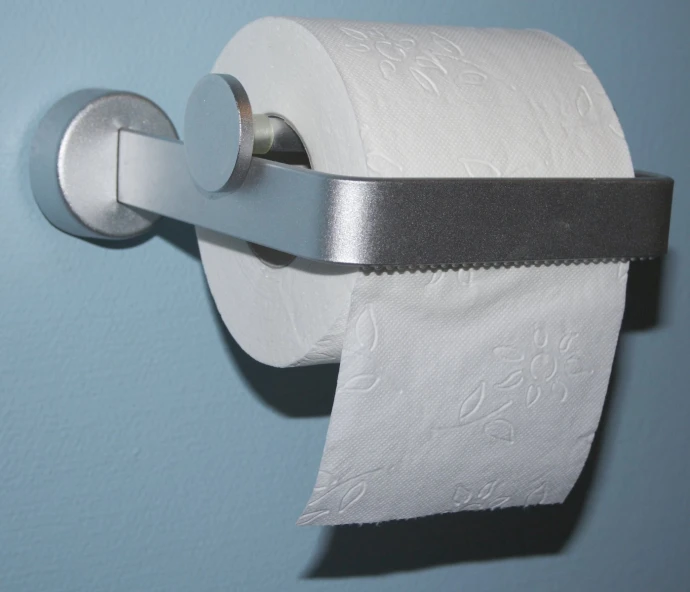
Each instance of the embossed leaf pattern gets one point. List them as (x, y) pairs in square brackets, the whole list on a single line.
[(354, 33), (538, 496), (311, 517), (583, 66), (587, 438), (533, 394), (352, 496), (361, 383), (551, 363), (548, 369), (559, 390), (566, 342), (484, 499), (513, 380), (424, 81), (377, 33), (430, 62), (387, 68), (474, 507), (536, 377), (486, 491), (498, 502), (465, 277), (500, 429), (462, 495), (617, 130), (574, 366), (543, 367), (435, 277), (540, 337), (390, 51), (508, 353), (447, 46), (323, 480), (584, 102), (406, 43), (474, 78), (359, 47), (366, 329), (361, 40), (473, 401)]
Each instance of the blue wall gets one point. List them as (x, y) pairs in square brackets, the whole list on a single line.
[(140, 450)]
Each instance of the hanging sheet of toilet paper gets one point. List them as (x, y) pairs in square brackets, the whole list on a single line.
[(458, 390)]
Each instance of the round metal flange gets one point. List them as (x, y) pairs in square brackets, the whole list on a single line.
[(218, 133), (74, 158)]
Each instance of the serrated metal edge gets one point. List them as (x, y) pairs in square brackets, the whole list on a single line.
[(380, 269)]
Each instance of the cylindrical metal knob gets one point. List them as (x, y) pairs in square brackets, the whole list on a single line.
[(218, 133), (221, 133)]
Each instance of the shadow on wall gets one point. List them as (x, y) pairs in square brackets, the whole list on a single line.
[(296, 392), (645, 293), (370, 549)]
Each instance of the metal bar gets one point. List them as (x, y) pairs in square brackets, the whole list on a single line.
[(366, 221), (285, 139)]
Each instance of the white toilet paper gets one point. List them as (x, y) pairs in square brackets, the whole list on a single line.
[(458, 390)]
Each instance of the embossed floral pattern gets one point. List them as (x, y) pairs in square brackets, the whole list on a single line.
[(425, 63), (472, 410), (544, 367), (448, 398), (496, 494), (335, 493), (488, 497)]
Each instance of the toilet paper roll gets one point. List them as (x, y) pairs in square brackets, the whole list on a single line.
[(458, 390)]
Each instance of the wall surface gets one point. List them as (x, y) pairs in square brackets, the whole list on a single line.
[(141, 450)]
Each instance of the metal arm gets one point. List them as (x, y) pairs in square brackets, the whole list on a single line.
[(404, 221), (361, 221)]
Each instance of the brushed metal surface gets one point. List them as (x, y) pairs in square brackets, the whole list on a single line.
[(101, 167), (218, 133), (221, 133), (406, 222), (73, 165)]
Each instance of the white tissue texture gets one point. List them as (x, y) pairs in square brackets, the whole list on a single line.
[(458, 390)]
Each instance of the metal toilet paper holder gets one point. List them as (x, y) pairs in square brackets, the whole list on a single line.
[(107, 164)]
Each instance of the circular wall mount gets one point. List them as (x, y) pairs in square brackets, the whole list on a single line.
[(73, 165)]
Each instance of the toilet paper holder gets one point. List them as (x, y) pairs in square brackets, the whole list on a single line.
[(107, 165)]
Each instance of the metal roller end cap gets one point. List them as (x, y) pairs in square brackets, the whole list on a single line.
[(218, 133)]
